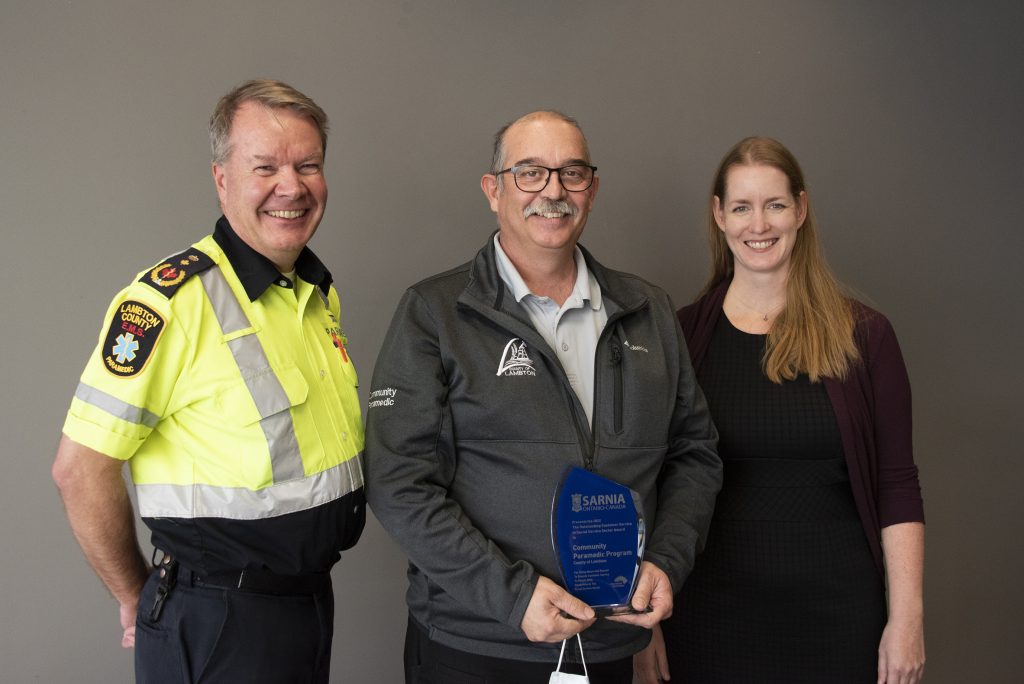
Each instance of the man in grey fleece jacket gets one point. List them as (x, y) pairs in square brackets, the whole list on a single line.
[(497, 375)]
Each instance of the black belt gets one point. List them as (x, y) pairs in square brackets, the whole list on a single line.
[(259, 581)]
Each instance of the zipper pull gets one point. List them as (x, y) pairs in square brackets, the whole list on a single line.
[(616, 350)]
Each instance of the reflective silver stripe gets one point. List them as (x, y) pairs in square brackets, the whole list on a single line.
[(323, 297), (229, 312), (267, 393), (238, 503), (115, 407)]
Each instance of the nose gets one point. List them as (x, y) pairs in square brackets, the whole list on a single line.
[(289, 184), (758, 222), (554, 188)]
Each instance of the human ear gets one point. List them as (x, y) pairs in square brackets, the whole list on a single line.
[(716, 211), (801, 208), (489, 186), (219, 180)]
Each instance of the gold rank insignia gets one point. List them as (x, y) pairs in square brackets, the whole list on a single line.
[(167, 276)]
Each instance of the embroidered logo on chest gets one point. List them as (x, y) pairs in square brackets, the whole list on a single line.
[(515, 360), (339, 340), (635, 347)]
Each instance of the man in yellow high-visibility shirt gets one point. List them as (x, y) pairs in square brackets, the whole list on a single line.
[(221, 376)]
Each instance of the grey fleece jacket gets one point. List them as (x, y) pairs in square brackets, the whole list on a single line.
[(464, 450)]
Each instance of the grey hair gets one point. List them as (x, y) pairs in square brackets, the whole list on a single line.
[(271, 94)]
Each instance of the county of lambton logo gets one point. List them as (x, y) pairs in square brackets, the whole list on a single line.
[(515, 360)]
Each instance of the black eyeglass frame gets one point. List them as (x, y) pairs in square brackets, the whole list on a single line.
[(512, 170)]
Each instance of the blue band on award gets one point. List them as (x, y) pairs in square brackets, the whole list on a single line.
[(597, 531)]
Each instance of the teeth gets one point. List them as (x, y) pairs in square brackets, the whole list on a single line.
[(295, 213), (762, 244), (553, 215)]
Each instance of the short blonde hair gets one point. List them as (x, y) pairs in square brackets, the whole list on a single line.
[(272, 94)]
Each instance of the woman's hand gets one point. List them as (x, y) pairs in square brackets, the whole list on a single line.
[(901, 653), (901, 650), (651, 664)]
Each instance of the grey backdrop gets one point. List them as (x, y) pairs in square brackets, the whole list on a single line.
[(905, 116)]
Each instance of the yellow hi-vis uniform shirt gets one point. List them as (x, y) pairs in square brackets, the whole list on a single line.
[(233, 413)]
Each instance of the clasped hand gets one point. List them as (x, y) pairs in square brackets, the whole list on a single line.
[(545, 618)]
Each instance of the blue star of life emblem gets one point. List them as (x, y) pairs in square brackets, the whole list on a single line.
[(125, 348)]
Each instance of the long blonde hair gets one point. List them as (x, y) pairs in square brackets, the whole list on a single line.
[(813, 334)]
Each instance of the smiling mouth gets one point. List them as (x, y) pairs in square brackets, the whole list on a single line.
[(287, 214), (761, 244)]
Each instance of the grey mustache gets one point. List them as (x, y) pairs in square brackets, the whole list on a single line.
[(549, 207)]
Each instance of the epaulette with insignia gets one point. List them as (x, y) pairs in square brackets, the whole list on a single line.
[(167, 276)]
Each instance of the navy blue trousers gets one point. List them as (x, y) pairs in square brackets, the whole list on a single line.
[(208, 634)]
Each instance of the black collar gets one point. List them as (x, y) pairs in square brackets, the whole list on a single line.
[(256, 272)]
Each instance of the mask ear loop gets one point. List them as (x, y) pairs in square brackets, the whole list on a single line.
[(582, 659), (561, 654), (558, 668)]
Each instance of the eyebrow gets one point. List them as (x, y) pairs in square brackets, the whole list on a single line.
[(780, 198), (533, 161), (270, 158)]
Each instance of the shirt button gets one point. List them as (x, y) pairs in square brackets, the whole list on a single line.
[(565, 347), (322, 372), (344, 436)]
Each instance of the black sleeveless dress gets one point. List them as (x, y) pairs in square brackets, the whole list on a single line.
[(786, 589)]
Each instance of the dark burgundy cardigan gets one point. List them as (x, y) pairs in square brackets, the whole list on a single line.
[(872, 407)]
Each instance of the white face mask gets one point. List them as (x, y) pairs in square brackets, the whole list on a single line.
[(564, 677)]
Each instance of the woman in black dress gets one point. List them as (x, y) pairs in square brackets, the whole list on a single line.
[(812, 568)]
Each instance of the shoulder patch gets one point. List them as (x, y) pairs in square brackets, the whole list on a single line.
[(167, 276), (133, 334)]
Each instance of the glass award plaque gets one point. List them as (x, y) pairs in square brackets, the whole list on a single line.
[(597, 532)]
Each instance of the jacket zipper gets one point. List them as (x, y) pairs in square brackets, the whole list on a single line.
[(616, 350), (588, 444), (588, 440)]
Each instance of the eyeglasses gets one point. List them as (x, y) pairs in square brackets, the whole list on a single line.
[(533, 178)]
